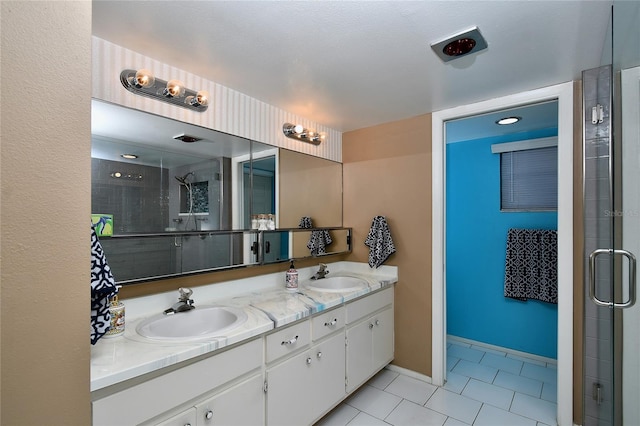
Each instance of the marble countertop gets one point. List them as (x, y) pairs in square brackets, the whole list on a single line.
[(114, 360)]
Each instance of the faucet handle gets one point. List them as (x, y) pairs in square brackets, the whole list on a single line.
[(323, 266), (185, 293)]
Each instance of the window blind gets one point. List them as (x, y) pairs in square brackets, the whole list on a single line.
[(529, 179)]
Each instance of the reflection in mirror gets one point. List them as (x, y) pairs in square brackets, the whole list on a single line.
[(282, 245), (309, 187), (260, 189), (158, 181), (145, 257), (303, 242), (172, 193), (152, 181), (275, 246)]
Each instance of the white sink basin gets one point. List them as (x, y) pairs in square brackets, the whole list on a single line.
[(199, 323), (337, 284)]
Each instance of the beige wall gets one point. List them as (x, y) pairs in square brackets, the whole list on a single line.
[(44, 215), (387, 171)]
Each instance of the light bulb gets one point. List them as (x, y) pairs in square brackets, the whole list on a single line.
[(298, 128), (200, 99), (174, 89), (144, 78)]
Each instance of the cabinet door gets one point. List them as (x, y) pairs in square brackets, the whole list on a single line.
[(382, 338), (359, 354), (288, 391), (328, 366), (241, 405), (186, 418)]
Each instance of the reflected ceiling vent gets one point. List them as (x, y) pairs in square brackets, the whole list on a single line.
[(187, 138), (459, 45)]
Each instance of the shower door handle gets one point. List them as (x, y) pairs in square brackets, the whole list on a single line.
[(632, 278)]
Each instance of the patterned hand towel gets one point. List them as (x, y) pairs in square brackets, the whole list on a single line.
[(319, 239), (379, 242), (531, 266), (103, 288)]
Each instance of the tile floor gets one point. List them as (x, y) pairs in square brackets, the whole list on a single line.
[(484, 387)]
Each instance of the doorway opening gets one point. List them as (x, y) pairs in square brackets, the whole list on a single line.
[(563, 94), (501, 242)]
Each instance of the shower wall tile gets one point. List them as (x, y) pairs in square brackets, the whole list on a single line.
[(230, 111), (137, 205)]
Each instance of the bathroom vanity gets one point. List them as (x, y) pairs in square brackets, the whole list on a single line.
[(296, 357)]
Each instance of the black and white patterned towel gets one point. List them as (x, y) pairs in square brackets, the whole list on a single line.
[(103, 288), (379, 242), (319, 239), (531, 266)]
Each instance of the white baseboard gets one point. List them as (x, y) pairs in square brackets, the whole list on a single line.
[(503, 349)]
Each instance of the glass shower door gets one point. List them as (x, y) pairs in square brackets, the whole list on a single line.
[(612, 236), (612, 226), (629, 335)]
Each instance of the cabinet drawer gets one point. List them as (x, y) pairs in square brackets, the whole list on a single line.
[(151, 398), (327, 322), (288, 340), (369, 304)]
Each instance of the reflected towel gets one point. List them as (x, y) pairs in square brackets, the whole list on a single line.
[(531, 266), (103, 288), (379, 242), (319, 239)]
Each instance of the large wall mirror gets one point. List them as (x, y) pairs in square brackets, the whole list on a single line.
[(170, 198)]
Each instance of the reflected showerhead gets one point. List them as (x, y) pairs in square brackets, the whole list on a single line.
[(183, 179)]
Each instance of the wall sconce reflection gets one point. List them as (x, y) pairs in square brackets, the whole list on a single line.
[(143, 82)]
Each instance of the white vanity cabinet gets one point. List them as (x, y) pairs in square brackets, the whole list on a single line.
[(369, 337), (292, 375), (173, 392), (305, 385)]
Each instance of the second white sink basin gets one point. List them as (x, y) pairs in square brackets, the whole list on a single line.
[(337, 284), (199, 323)]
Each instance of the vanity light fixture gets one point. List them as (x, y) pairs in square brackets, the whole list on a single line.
[(297, 131), (508, 120), (142, 82)]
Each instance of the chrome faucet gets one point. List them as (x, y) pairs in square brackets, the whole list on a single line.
[(184, 303), (322, 272)]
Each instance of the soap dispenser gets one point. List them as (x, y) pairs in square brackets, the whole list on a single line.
[(291, 278), (116, 310)]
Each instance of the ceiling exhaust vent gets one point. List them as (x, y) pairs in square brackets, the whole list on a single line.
[(459, 45), (187, 138)]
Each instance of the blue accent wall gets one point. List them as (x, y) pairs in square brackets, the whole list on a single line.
[(476, 232)]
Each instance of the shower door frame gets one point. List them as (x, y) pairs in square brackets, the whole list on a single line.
[(563, 93)]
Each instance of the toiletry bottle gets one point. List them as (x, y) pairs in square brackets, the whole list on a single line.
[(291, 278), (116, 310)]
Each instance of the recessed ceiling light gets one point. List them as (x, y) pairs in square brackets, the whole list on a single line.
[(129, 156), (508, 120)]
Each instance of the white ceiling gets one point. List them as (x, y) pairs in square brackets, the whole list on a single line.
[(353, 64)]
